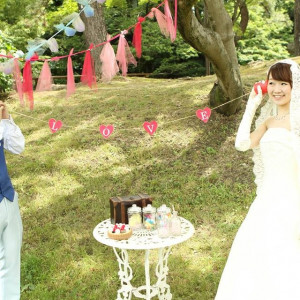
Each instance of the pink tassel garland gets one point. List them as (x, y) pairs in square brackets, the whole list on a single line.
[(124, 55), (137, 37), (45, 79), (109, 64), (70, 76), (27, 80), (170, 24), (161, 21), (88, 75), (18, 80)]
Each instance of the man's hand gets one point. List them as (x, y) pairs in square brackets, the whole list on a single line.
[(3, 111)]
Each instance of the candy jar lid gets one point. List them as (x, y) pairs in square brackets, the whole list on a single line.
[(164, 209), (149, 209), (134, 209)]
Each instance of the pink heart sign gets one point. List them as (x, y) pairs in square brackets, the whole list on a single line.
[(204, 114), (106, 131), (150, 127), (54, 125)]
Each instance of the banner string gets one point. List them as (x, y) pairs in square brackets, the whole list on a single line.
[(123, 129), (54, 35), (80, 52)]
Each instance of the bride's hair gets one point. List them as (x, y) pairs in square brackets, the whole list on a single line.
[(281, 72)]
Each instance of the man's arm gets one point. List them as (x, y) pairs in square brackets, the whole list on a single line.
[(11, 134)]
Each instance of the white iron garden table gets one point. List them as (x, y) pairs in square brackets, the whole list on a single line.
[(143, 240)]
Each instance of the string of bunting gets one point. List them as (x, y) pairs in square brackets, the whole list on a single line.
[(40, 45), (149, 127), (111, 63)]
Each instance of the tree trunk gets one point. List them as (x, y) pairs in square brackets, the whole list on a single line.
[(217, 44), (206, 24), (207, 66), (95, 32), (244, 14), (297, 28)]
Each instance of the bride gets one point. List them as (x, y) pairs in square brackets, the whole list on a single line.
[(264, 261)]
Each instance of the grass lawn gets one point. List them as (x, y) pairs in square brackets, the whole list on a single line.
[(65, 180)]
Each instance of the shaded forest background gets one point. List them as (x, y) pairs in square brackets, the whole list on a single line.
[(264, 30)]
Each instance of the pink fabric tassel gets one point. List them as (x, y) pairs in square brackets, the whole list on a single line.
[(175, 17), (18, 80), (137, 37), (109, 64), (170, 23), (27, 83), (70, 76), (27, 80), (88, 75), (161, 21), (45, 79), (124, 55)]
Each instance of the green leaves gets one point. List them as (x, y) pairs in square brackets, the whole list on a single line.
[(5, 48), (267, 36)]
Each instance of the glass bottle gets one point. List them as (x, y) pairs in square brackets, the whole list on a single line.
[(175, 224), (149, 217), (135, 217), (163, 218)]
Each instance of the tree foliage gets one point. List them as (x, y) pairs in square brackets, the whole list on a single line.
[(5, 48), (23, 22), (268, 34), (159, 54)]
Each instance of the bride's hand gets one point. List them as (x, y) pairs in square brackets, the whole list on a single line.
[(256, 98)]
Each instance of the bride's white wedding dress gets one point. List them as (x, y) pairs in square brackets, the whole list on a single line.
[(264, 261)]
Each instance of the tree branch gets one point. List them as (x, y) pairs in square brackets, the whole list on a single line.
[(216, 42)]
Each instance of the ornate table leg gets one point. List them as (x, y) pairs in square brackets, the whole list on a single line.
[(125, 275), (162, 273), (147, 275), (146, 291)]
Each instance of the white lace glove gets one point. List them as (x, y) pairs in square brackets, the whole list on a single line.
[(243, 141)]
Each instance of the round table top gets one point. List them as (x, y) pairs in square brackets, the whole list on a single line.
[(143, 239)]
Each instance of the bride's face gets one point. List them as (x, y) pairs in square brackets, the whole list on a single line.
[(279, 91)]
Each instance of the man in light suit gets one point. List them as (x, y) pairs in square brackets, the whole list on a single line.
[(11, 139)]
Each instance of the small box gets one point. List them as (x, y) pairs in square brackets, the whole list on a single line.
[(119, 206)]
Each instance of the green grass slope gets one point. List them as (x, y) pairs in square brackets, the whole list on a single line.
[(65, 181)]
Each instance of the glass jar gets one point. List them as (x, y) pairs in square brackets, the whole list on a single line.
[(149, 217), (135, 217), (175, 224), (163, 220)]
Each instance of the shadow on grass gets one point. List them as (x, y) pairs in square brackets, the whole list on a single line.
[(65, 181)]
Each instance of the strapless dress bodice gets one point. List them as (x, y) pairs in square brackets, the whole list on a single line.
[(278, 155)]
